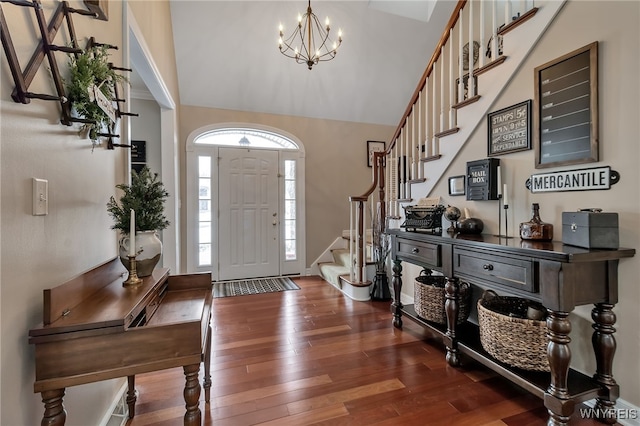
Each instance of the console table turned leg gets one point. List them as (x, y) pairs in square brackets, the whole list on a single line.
[(451, 289), (131, 396), (559, 406), (604, 347), (54, 412), (192, 417), (206, 384), (396, 306)]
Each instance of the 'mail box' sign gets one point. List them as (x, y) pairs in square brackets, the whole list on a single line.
[(574, 180), (482, 179)]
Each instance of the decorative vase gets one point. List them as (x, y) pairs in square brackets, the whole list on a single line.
[(149, 247), (536, 229), (380, 288)]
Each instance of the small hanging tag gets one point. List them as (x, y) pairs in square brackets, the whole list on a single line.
[(105, 104)]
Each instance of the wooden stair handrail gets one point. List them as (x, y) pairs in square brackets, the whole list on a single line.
[(378, 176), (427, 72), (378, 172)]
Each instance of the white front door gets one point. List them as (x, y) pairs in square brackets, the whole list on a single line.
[(248, 225)]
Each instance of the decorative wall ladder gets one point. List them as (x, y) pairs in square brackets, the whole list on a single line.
[(46, 48)]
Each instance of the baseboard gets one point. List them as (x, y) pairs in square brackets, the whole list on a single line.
[(118, 412)]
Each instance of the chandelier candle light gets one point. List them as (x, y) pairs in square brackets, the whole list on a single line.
[(306, 51)]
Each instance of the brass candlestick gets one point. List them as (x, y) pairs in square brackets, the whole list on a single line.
[(133, 279)]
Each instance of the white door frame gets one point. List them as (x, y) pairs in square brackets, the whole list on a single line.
[(297, 267), (136, 54)]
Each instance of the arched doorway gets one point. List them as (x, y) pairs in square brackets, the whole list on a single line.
[(245, 202)]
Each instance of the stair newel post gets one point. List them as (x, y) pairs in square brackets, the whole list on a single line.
[(360, 242), (351, 236)]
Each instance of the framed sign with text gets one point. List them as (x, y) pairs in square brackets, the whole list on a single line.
[(566, 109), (373, 146), (510, 129)]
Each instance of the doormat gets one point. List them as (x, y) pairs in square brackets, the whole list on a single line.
[(257, 286)]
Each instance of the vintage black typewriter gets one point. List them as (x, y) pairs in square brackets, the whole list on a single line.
[(423, 217)]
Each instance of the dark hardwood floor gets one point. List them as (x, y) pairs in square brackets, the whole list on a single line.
[(313, 356)]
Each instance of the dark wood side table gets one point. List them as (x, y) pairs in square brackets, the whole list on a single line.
[(559, 276)]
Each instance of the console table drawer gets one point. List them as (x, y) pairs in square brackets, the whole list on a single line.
[(508, 271), (420, 251)]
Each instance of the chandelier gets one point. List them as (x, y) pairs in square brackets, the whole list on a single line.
[(309, 43)]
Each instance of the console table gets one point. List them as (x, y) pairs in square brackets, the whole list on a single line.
[(95, 329), (559, 276)]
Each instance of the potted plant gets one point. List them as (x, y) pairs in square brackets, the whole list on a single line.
[(87, 70), (146, 197)]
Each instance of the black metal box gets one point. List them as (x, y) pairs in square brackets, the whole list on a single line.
[(590, 229), (482, 179)]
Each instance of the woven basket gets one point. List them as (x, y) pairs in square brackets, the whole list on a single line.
[(507, 334), (430, 297)]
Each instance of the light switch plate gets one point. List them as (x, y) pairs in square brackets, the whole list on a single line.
[(40, 197)]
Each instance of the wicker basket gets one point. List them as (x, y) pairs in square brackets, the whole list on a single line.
[(430, 297), (507, 334)]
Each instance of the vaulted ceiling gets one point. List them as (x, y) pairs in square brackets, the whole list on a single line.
[(227, 56)]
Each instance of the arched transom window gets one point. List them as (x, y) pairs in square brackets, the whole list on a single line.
[(246, 138)]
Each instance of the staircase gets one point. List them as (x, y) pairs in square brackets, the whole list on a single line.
[(453, 97), (334, 267)]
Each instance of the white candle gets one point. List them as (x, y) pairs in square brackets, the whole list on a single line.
[(499, 181), (132, 234), (504, 195)]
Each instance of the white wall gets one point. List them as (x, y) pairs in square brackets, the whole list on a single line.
[(615, 25), (40, 252)]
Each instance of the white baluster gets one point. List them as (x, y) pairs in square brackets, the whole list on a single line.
[(419, 147), (460, 69), (414, 137), (442, 88), (472, 85), (494, 31), (434, 113), (402, 165), (507, 12), (453, 118), (428, 126), (483, 39)]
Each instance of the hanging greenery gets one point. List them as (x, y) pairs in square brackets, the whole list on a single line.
[(88, 69), (146, 196)]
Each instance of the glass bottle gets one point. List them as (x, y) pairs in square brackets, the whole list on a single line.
[(536, 229)]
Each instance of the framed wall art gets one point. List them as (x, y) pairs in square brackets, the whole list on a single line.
[(373, 146), (565, 112), (456, 185), (509, 129)]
